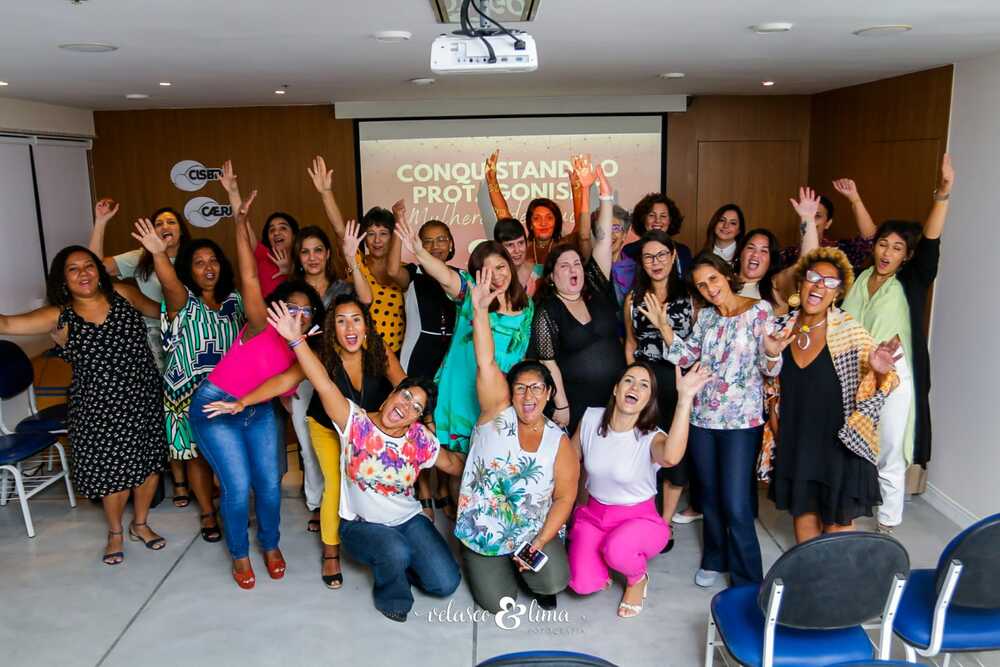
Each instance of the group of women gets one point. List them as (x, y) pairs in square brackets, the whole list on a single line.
[(554, 382)]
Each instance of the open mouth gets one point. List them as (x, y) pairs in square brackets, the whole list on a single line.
[(815, 298), (398, 414), (167, 236), (351, 340), (631, 399), (883, 264), (529, 406), (210, 276), (574, 281), (753, 264)]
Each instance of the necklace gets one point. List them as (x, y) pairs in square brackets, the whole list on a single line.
[(802, 338), (534, 428), (568, 299)]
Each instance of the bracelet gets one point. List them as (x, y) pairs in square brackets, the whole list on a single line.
[(773, 360), (606, 197), (295, 343), (426, 502), (943, 197), (565, 407)]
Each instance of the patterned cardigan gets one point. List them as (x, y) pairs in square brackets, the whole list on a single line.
[(850, 346)]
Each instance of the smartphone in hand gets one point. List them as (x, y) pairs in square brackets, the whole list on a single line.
[(534, 561)]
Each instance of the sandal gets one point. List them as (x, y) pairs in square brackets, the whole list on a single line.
[(313, 526), (155, 544), (181, 500), (333, 581), (627, 610), (210, 534), (115, 557), (275, 567), (245, 580)]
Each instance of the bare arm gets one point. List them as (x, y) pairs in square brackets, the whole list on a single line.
[(630, 342), (668, 449), (394, 264), (567, 478), (139, 301), (322, 179), (174, 292), (939, 212), (450, 463), (491, 385), (253, 299), (866, 226), (272, 388), (434, 267), (104, 210), (39, 321), (493, 185), (602, 232), (561, 413), (393, 370), (806, 207), (352, 239), (581, 178)]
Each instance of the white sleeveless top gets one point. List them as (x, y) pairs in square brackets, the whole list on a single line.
[(619, 465), (506, 492)]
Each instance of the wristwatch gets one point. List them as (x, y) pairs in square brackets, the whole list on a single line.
[(943, 197)]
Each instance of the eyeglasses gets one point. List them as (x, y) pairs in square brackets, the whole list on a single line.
[(293, 310), (414, 403), (659, 258), (828, 281), (537, 389), (440, 240), (617, 229)]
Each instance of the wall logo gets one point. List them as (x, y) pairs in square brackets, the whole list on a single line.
[(205, 211), (191, 175)]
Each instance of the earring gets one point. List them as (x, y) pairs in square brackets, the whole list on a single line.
[(794, 301), (65, 291)]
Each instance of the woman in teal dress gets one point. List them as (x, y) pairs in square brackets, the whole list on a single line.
[(510, 321)]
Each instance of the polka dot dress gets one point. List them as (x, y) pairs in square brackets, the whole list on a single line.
[(387, 310), (116, 423)]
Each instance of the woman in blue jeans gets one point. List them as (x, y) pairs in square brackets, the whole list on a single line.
[(382, 453), (731, 339)]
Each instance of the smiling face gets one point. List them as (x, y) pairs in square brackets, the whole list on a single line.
[(543, 222), (755, 259), (816, 297), (377, 240), (83, 278), (350, 327), (517, 249), (711, 284), (168, 228), (501, 272), (313, 255), (727, 227), (890, 252), (530, 396), (205, 269), (567, 274), (618, 234), (280, 234), (402, 408), (658, 217), (657, 260), (633, 392), (437, 241)]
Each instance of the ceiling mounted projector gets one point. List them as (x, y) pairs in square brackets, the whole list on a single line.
[(461, 54)]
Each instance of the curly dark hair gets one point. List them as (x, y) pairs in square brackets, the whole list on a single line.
[(278, 215), (374, 359), (645, 205), (56, 291), (144, 267), (185, 258), (428, 388), (556, 213)]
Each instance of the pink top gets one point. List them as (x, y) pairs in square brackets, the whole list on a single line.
[(265, 269), (248, 365)]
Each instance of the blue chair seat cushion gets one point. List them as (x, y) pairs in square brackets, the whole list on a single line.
[(965, 628), (49, 420), (546, 659), (740, 624), (19, 446)]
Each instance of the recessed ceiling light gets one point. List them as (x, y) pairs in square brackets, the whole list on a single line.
[(772, 27), (165, 84), (423, 81), (391, 36), (876, 30), (4, 83), (88, 47), (672, 75), (279, 91), (137, 96), (767, 84)]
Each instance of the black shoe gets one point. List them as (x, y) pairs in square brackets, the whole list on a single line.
[(212, 533), (335, 581), (545, 601), (397, 616), (670, 545)]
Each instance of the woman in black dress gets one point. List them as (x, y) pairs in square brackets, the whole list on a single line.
[(575, 330), (116, 422), (825, 458)]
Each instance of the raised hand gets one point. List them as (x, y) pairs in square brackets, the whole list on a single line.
[(491, 166), (104, 210), (602, 182), (848, 188), (399, 210), (583, 170), (947, 175), (146, 234), (322, 177), (482, 293), (884, 356), (654, 311), (286, 324), (216, 408), (408, 236), (283, 259), (244, 211), (228, 178), (353, 236), (807, 204), (776, 341), (690, 384)]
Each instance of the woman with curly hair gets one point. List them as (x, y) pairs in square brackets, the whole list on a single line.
[(833, 382), (657, 211)]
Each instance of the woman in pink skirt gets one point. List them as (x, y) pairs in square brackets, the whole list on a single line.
[(622, 450)]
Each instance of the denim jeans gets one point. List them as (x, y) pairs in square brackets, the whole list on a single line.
[(724, 460), (411, 553), (243, 451)]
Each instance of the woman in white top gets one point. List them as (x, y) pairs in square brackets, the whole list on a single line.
[(381, 454), (725, 230), (622, 450), (521, 477)]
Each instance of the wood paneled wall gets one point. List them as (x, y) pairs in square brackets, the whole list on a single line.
[(270, 147), (889, 137), (752, 151)]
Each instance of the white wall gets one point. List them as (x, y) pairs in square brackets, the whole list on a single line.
[(965, 401), (36, 117)]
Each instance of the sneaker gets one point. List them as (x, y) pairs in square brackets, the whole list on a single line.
[(706, 578), (883, 529), (687, 518)]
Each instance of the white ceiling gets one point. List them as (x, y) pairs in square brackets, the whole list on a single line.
[(237, 52)]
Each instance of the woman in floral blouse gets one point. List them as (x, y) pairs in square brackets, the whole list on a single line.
[(521, 479), (731, 338)]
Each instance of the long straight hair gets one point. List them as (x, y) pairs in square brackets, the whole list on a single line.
[(649, 417), (714, 221), (144, 267), (517, 298), (313, 232), (676, 289)]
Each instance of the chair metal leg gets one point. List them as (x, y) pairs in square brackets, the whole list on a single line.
[(65, 468), (4, 486), (21, 496), (911, 655), (710, 642)]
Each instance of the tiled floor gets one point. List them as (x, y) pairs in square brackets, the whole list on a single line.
[(60, 606)]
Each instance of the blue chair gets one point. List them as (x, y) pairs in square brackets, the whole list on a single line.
[(18, 369), (545, 659), (955, 607), (810, 608), (26, 449)]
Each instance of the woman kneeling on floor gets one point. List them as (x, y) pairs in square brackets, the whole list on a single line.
[(622, 450), (521, 479), (382, 452)]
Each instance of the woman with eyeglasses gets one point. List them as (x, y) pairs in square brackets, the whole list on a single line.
[(520, 479), (244, 450), (575, 330), (890, 301), (644, 343), (657, 211), (834, 381), (382, 452), (725, 230)]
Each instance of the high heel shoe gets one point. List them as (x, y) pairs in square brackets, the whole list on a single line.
[(627, 610), (245, 580), (275, 567), (115, 557), (154, 544), (211, 534), (333, 581)]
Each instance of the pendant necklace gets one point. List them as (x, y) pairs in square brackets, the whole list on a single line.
[(802, 339)]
